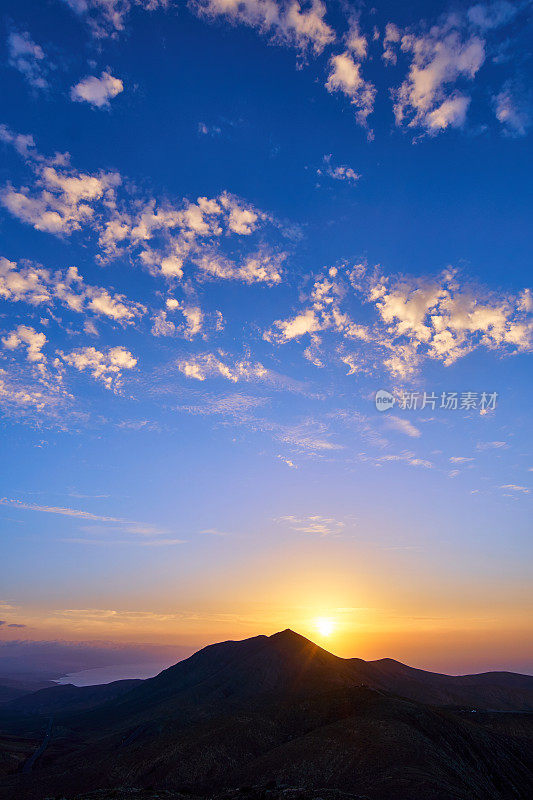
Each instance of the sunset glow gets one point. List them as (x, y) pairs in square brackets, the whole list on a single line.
[(324, 626)]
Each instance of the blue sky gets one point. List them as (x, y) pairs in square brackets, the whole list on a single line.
[(224, 228)]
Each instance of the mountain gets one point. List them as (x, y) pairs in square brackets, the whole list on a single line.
[(283, 712), (67, 698), (11, 688)]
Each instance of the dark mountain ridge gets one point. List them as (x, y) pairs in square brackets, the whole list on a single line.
[(281, 709)]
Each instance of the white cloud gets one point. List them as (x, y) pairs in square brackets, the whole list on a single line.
[(64, 200), (513, 487), (66, 512), (20, 397), (26, 336), (402, 425), (261, 267), (416, 319), (440, 59), (491, 445), (513, 109), (444, 321), (97, 91), (391, 38), (235, 404), (106, 367), (345, 76), (339, 173), (210, 365), (288, 462), (38, 286), (163, 237), (192, 326), (293, 328), (28, 58), (286, 21), (313, 524)]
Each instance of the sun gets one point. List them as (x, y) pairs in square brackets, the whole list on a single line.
[(324, 626)]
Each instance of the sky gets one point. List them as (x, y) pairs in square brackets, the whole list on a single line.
[(225, 227)]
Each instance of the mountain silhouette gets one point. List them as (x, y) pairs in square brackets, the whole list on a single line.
[(280, 710)]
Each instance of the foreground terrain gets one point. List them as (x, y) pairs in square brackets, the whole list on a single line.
[(270, 718)]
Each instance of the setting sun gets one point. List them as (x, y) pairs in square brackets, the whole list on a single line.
[(324, 626)]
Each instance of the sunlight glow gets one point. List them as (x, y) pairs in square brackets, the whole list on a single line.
[(324, 626)]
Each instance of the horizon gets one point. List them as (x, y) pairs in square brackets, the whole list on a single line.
[(265, 330)]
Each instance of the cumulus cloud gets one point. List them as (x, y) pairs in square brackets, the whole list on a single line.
[(261, 267), (416, 319), (97, 91), (28, 337), (193, 321), (440, 59), (288, 21), (28, 58), (338, 173), (63, 199), (209, 365), (345, 77), (106, 367), (444, 321), (323, 313), (162, 237), (38, 286)]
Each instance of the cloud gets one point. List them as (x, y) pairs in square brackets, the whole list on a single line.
[(38, 286), (28, 58), (402, 425), (339, 173), (193, 324), (288, 462), (26, 336), (491, 445), (262, 267), (209, 365), (144, 534), (106, 367), (345, 77), (107, 17), (416, 319), (97, 91), (66, 512), (236, 404), (513, 487), (512, 107), (460, 459), (287, 22), (64, 199), (164, 238), (440, 58), (314, 524), (406, 457), (294, 327), (442, 320)]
